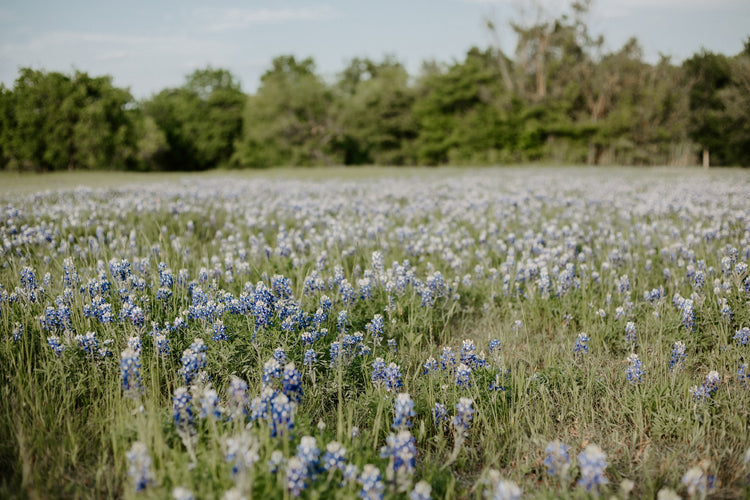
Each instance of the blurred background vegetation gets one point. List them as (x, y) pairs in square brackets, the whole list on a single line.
[(560, 98)]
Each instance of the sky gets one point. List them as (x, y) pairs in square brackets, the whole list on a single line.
[(151, 45)]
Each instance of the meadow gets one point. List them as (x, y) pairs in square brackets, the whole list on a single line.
[(376, 333)]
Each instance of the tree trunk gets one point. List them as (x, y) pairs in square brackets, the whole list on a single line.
[(706, 160)]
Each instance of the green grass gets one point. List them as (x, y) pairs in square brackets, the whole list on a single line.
[(66, 425)]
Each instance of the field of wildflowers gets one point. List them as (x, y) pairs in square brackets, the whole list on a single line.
[(495, 334)]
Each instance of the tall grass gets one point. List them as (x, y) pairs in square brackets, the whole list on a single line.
[(447, 262)]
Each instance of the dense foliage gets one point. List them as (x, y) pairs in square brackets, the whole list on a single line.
[(562, 332), (560, 98)]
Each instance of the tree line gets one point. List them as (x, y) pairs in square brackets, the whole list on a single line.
[(559, 98)]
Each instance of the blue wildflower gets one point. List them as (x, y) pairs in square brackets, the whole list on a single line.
[(334, 457), (742, 336), (310, 358), (592, 461), (403, 409), (582, 344), (292, 383), (139, 466), (678, 355), (463, 376), (372, 486), (440, 416), (430, 365), (182, 409), (634, 372), (558, 459), (464, 415), (401, 449), (220, 331)]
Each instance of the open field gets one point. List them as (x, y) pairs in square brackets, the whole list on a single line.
[(398, 333)]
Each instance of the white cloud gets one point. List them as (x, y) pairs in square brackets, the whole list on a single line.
[(236, 18)]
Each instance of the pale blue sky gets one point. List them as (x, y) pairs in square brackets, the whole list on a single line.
[(151, 45)]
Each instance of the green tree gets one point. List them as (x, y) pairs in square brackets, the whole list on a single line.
[(288, 121), (375, 116), (708, 75), (55, 122), (200, 121)]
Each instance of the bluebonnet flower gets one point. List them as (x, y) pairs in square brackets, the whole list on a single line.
[(241, 452), (296, 476), (139, 466), (17, 331), (685, 307), (334, 457), (310, 358), (29, 280), (372, 486), (182, 409), (210, 404), (392, 345), (281, 415), (393, 380), (88, 342), (262, 312), (279, 354), (403, 409), (678, 355), (333, 351), (463, 376), (130, 372), (742, 336), (307, 338), (440, 416), (163, 294), (342, 321), (430, 365), (634, 372), (238, 399), (469, 356), (699, 280), (276, 461), (630, 333), (348, 342), (698, 480), (54, 343), (308, 453), (166, 279), (292, 383), (319, 318), (378, 371), (134, 342), (447, 359), (193, 360), (401, 449), (558, 459), (271, 371), (375, 327), (220, 331), (592, 461), (422, 491), (743, 376), (582, 344), (428, 300), (501, 489), (133, 313), (464, 415), (726, 311), (161, 345), (707, 388), (495, 347)]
